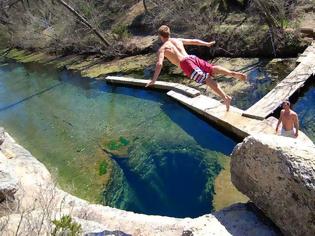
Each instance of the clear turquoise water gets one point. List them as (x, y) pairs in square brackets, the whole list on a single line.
[(263, 76), (305, 109), (159, 158)]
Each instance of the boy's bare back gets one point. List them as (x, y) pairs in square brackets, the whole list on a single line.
[(174, 50)]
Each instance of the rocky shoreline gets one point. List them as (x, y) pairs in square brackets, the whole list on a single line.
[(35, 200), (277, 174)]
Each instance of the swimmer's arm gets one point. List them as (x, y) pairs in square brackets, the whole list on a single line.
[(197, 42), (158, 67), (279, 121), (296, 125)]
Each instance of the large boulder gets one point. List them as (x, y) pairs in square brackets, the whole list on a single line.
[(278, 175), (8, 184), (2, 135)]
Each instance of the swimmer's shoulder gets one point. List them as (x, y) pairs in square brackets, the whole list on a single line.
[(176, 40)]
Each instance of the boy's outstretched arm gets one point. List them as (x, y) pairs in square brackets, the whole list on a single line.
[(197, 42), (158, 67)]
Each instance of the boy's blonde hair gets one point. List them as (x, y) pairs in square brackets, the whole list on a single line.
[(164, 31)]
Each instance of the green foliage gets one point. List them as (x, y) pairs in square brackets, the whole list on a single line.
[(86, 9), (273, 12), (103, 168), (66, 225), (121, 31), (284, 23)]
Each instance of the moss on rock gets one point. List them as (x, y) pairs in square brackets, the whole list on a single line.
[(125, 65)]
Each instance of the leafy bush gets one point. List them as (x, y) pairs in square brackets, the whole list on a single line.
[(121, 31), (67, 226)]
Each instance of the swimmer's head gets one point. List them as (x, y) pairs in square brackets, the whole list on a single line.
[(164, 32)]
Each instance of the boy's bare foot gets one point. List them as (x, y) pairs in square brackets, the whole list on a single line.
[(240, 76), (227, 102)]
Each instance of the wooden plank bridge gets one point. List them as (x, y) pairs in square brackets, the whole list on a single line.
[(286, 88)]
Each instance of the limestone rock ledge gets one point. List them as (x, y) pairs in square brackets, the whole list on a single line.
[(278, 175), (38, 201)]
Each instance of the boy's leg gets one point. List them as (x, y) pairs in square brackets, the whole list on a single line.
[(216, 88), (219, 70)]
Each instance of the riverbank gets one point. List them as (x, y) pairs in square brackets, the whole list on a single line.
[(128, 28)]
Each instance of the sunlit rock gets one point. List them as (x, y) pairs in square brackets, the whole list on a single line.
[(278, 175)]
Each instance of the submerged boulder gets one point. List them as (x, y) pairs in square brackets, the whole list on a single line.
[(278, 175)]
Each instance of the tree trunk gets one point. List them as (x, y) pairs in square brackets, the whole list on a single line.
[(84, 21)]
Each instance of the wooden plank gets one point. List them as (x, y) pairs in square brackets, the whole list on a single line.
[(212, 110), (191, 92), (286, 88), (309, 51), (231, 121)]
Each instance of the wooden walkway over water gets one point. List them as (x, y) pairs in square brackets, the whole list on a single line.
[(191, 92), (286, 88)]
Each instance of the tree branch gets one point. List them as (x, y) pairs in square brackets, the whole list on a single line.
[(85, 22)]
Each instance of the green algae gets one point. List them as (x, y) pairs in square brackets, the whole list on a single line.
[(125, 65), (123, 141), (103, 168), (83, 63), (117, 144), (3, 50), (35, 57), (17, 54), (116, 147), (65, 61), (88, 66), (26, 56)]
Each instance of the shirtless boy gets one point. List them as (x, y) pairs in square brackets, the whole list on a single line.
[(192, 66), (289, 120)]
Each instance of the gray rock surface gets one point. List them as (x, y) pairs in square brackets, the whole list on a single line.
[(8, 184), (2, 135), (278, 175), (246, 219)]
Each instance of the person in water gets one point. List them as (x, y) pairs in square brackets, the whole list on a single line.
[(289, 120), (193, 67)]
